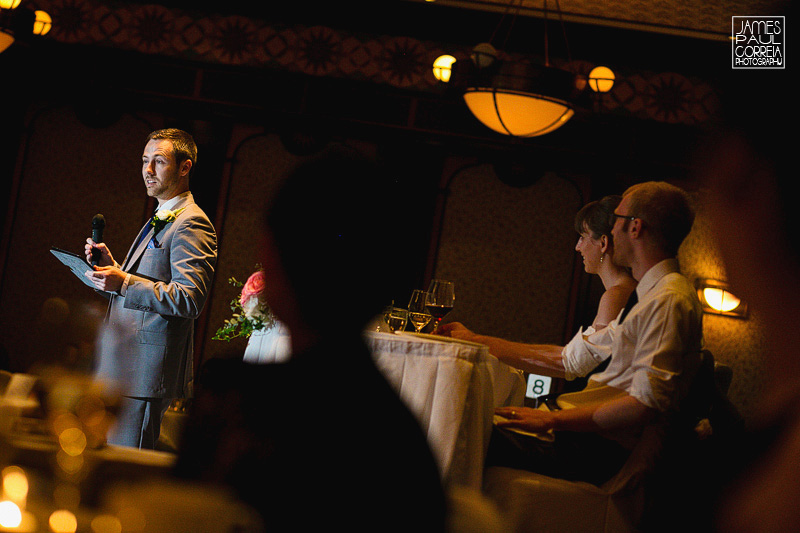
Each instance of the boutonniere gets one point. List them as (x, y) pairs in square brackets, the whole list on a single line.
[(164, 217)]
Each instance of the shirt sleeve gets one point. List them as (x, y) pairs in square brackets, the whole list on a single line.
[(125, 283), (664, 354), (587, 349)]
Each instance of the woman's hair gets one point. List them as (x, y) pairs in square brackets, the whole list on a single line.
[(597, 216)]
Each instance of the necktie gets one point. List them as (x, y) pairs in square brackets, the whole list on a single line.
[(144, 232), (632, 299), (631, 302)]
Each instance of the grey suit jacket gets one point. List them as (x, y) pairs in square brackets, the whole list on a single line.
[(146, 344)]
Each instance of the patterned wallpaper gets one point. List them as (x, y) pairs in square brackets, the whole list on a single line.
[(70, 172), (256, 167), (510, 252), (739, 343)]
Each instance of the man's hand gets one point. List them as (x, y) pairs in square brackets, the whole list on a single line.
[(527, 418), (107, 278), (457, 330), (106, 258)]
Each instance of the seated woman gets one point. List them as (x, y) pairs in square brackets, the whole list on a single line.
[(593, 223), (557, 457)]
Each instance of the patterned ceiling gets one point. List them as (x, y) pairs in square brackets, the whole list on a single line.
[(238, 38), (697, 18)]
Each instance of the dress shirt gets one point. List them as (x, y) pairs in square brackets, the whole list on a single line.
[(166, 205), (655, 350)]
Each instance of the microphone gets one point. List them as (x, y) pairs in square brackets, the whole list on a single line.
[(98, 224)]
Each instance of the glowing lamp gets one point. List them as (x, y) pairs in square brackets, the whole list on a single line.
[(9, 4), (43, 23), (517, 99), (6, 40), (716, 298), (601, 79), (517, 114), (442, 67), (20, 23)]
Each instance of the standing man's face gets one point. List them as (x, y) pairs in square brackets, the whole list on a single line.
[(163, 178)]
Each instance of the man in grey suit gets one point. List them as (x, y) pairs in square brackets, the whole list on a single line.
[(155, 294)]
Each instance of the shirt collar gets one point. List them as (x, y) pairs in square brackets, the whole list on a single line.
[(656, 272), (172, 202)]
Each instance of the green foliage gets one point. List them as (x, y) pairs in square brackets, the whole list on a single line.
[(241, 323)]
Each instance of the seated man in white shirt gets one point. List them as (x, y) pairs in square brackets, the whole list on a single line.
[(654, 348)]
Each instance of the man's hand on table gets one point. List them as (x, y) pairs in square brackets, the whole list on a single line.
[(456, 330), (526, 418)]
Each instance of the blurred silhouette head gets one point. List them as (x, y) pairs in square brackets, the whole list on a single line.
[(335, 253)]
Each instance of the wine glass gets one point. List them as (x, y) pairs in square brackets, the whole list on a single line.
[(418, 315), (441, 299), (397, 318)]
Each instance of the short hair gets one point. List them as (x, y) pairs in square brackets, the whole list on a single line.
[(597, 216), (666, 211), (183, 144), (337, 222)]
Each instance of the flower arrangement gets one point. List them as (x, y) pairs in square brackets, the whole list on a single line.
[(164, 217), (250, 310)]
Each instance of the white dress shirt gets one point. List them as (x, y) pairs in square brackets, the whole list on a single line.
[(655, 349)]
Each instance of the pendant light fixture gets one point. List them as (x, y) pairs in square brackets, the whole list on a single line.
[(515, 98)]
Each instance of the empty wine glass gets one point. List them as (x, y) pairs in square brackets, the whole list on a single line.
[(418, 315), (441, 299)]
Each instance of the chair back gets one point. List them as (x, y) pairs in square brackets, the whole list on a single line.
[(686, 475)]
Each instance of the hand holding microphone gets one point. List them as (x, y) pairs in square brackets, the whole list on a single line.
[(105, 276), (98, 225), (97, 253)]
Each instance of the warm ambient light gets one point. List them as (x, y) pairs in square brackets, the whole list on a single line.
[(6, 40), (716, 298), (63, 521), (15, 484), (601, 79), (10, 514), (517, 113), (20, 23), (517, 99), (43, 23), (720, 299), (442, 67)]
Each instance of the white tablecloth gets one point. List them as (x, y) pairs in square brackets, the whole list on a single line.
[(452, 387)]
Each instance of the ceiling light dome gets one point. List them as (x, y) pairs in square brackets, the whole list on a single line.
[(517, 99)]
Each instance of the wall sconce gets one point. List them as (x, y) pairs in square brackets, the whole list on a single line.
[(601, 79), (442, 67), (716, 298)]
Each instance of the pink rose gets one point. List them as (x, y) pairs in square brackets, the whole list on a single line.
[(253, 287)]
